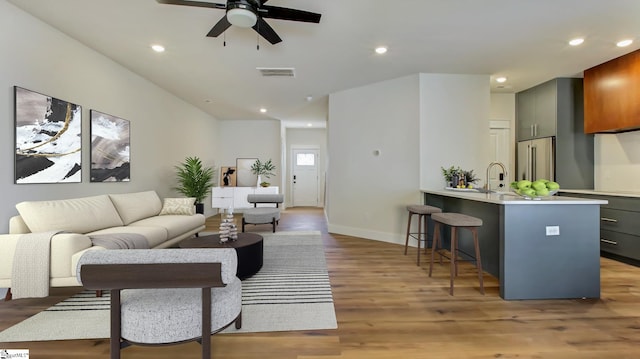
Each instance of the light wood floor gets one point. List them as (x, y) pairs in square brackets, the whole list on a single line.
[(387, 307)]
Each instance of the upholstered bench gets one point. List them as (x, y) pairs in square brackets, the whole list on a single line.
[(261, 215), (181, 291), (269, 198)]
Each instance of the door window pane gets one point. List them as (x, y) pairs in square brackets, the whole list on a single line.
[(305, 159)]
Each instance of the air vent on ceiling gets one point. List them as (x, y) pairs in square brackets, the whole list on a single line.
[(277, 72)]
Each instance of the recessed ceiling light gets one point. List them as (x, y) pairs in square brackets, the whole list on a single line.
[(309, 125), (501, 79), (263, 110), (381, 50), (624, 43), (309, 98), (577, 41), (157, 48)]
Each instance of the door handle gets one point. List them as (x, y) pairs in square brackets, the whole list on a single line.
[(605, 219), (534, 162), (608, 241)]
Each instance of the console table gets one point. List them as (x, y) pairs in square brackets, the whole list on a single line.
[(236, 197)]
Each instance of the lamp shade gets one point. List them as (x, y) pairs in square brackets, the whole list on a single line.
[(241, 17)]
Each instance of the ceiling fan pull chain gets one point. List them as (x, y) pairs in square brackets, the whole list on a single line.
[(224, 39)]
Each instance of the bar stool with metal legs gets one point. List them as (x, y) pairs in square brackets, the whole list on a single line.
[(455, 221), (423, 212)]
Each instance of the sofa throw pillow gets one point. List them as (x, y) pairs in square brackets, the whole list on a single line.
[(183, 206)]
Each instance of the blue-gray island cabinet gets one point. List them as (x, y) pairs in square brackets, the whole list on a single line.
[(538, 249)]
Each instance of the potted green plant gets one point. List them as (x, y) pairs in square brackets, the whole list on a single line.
[(194, 180), (470, 177), (451, 175), (263, 169)]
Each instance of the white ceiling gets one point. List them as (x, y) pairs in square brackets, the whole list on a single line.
[(524, 40)]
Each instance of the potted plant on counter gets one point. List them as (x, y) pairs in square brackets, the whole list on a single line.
[(456, 177), (451, 175), (263, 169), (194, 180)]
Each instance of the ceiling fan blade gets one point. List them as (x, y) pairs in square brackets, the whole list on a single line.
[(219, 28), (283, 13), (266, 31), (193, 3)]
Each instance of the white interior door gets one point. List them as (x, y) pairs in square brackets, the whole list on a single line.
[(304, 181), (499, 142)]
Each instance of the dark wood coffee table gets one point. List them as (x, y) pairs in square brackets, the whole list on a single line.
[(249, 247)]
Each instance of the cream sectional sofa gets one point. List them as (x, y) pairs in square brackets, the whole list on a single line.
[(139, 213)]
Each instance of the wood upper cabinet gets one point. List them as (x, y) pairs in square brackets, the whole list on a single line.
[(612, 95)]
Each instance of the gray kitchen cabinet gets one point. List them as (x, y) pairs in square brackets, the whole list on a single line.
[(537, 111), (619, 226), (556, 109), (547, 96), (525, 113)]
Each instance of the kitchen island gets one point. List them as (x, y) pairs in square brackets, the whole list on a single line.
[(538, 249)]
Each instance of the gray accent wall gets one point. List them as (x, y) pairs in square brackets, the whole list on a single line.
[(164, 128)]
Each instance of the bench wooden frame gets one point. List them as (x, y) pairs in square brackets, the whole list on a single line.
[(116, 277)]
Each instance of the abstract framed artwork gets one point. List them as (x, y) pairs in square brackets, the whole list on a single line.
[(227, 176), (110, 148), (244, 176), (48, 139)]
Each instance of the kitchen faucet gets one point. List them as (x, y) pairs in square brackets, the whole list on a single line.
[(504, 171)]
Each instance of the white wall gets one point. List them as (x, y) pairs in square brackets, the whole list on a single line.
[(251, 139), (503, 107), (164, 129), (367, 194), (419, 124), (307, 139), (617, 162), (454, 126)]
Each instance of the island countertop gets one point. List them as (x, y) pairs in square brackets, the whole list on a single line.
[(509, 198), (602, 193)]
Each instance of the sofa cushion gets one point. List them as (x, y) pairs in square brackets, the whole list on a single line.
[(80, 215), (136, 206), (175, 225), (154, 234), (185, 206)]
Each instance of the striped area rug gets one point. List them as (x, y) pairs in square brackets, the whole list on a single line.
[(292, 291)]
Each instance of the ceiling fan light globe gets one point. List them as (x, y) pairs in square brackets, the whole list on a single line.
[(241, 17)]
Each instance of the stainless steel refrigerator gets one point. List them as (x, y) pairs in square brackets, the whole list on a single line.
[(536, 159)]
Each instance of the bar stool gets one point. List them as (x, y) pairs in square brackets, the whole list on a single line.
[(455, 221), (423, 212)]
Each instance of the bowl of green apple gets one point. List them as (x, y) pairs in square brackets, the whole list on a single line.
[(537, 189)]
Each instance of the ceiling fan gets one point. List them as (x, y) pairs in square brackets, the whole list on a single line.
[(250, 13)]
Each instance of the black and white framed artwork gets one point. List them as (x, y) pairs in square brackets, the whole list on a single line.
[(110, 148), (48, 139)]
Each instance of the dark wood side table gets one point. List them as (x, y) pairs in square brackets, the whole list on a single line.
[(249, 247)]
